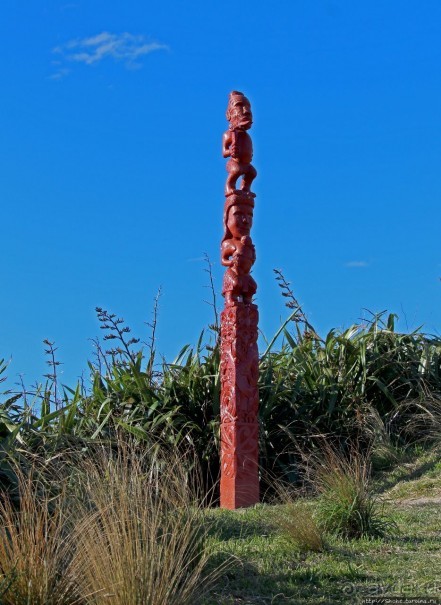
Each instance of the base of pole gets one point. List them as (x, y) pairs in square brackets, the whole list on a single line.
[(239, 486)]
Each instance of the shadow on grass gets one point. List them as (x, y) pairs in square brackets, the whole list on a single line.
[(235, 525), (301, 586)]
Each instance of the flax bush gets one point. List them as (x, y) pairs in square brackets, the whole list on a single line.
[(365, 383)]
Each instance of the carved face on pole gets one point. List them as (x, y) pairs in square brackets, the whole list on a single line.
[(239, 220), (239, 111)]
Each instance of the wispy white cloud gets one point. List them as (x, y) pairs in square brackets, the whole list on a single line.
[(60, 74), (126, 48), (357, 263)]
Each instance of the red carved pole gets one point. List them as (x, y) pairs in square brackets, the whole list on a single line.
[(239, 355)]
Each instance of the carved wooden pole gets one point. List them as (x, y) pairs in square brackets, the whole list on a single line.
[(239, 355)]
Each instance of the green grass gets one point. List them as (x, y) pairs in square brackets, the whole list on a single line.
[(269, 569)]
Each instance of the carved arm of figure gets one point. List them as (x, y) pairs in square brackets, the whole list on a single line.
[(228, 145), (227, 252)]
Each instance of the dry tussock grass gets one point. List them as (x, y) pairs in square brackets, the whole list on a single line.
[(35, 551), (125, 528)]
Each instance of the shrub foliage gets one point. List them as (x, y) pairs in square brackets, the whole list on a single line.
[(361, 384)]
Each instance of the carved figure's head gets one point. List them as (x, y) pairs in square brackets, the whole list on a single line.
[(238, 221), (239, 111)]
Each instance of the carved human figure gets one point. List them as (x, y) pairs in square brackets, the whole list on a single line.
[(238, 220), (238, 285), (237, 144)]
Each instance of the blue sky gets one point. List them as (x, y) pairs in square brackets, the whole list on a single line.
[(111, 175)]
